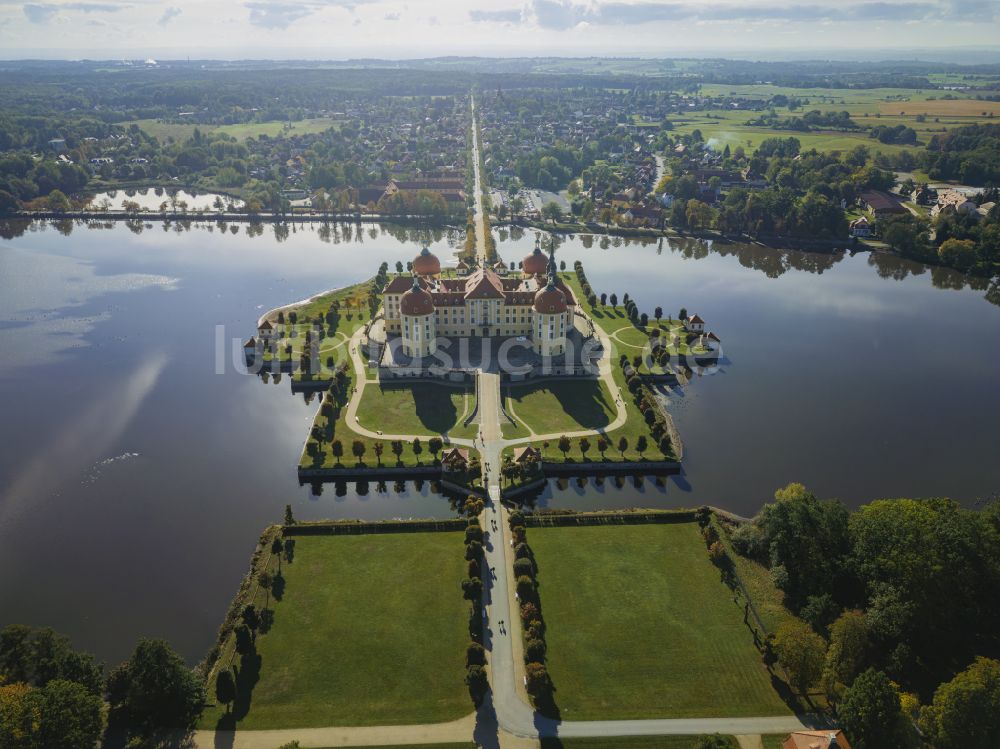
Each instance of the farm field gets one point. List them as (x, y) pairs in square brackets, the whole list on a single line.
[(868, 107)]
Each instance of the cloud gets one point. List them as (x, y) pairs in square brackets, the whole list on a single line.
[(566, 14), (169, 15), (277, 15), (280, 14), (391, 17), (495, 16), (45, 12)]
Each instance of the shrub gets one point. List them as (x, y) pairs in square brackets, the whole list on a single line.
[(525, 588), (819, 612), (524, 567), (710, 534), (538, 679), (475, 679), (529, 612), (534, 651), (473, 533), (717, 553), (475, 654), (749, 541)]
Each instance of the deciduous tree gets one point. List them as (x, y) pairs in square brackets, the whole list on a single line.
[(801, 653)]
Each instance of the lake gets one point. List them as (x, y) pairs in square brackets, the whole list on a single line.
[(135, 477)]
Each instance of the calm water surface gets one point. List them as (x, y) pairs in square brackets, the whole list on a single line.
[(134, 479)]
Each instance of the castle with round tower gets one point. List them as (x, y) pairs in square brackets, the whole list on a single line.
[(487, 302)]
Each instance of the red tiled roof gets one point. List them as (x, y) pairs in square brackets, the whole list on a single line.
[(484, 284), (400, 284), (816, 740), (550, 300), (416, 301)]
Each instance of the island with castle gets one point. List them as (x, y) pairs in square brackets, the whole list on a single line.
[(418, 369)]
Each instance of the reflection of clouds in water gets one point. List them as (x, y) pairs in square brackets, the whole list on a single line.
[(31, 334), (83, 439), (850, 295)]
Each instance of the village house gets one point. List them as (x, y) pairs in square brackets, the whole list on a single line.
[(880, 204), (455, 459), (861, 228), (955, 201), (694, 324), (527, 454)]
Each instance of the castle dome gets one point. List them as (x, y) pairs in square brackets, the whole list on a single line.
[(550, 300), (535, 263), (416, 301), (426, 263)]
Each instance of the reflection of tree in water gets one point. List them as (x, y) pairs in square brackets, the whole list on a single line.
[(993, 293), (770, 261), (946, 278), (14, 228), (894, 267)]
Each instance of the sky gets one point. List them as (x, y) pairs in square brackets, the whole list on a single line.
[(397, 29)]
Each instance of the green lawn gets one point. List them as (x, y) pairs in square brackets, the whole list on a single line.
[(417, 408), (370, 630), (562, 405), (639, 625), (336, 428), (773, 740), (627, 742), (634, 425), (452, 745), (182, 131)]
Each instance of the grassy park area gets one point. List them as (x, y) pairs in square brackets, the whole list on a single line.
[(425, 408), (639, 625), (332, 427), (562, 405), (554, 412), (629, 742), (316, 317), (369, 630)]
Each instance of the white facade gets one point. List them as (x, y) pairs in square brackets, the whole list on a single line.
[(418, 335)]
